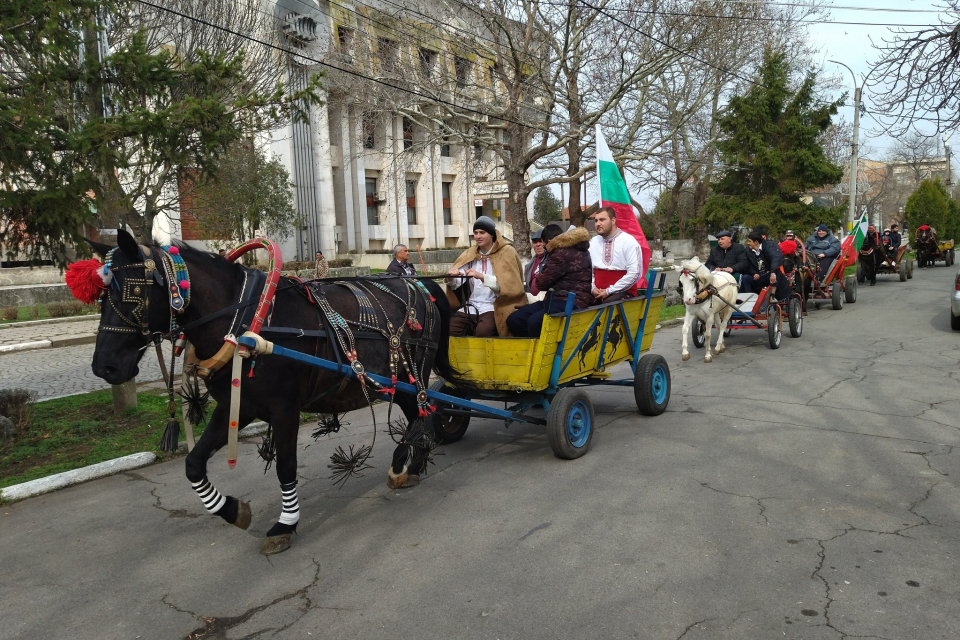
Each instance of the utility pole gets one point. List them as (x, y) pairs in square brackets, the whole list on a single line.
[(946, 152)]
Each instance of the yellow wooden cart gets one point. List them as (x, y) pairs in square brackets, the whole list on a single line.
[(576, 348)]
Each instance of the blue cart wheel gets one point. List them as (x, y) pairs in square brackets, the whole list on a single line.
[(651, 385), (570, 423)]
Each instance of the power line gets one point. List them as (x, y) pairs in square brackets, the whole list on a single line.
[(845, 8)]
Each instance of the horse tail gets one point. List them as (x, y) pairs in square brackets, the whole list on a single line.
[(441, 362)]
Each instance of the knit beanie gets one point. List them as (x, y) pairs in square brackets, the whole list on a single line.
[(486, 224)]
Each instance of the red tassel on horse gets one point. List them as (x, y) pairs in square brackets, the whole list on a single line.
[(87, 280)]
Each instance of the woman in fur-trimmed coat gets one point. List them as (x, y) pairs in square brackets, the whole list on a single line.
[(568, 269)]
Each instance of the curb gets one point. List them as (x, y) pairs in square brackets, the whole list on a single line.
[(76, 476), (670, 323), (48, 344), (30, 323), (25, 346)]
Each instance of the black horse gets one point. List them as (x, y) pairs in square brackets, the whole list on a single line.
[(871, 255), (280, 388)]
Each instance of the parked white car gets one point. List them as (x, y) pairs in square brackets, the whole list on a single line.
[(955, 305)]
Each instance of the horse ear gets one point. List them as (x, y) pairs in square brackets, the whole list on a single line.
[(128, 245), (99, 248)]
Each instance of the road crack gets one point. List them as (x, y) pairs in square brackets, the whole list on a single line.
[(759, 501)]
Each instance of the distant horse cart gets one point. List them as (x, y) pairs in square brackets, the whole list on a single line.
[(931, 249), (874, 261)]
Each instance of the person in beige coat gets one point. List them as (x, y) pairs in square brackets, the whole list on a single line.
[(485, 284)]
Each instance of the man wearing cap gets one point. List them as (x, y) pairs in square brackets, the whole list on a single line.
[(485, 284), (728, 256), (824, 246), (617, 259), (531, 268)]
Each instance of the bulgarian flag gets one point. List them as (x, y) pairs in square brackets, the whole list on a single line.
[(614, 194), (850, 246)]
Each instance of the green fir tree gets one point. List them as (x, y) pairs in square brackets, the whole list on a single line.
[(770, 148), (546, 206)]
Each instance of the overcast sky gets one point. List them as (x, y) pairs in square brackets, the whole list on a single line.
[(847, 38)]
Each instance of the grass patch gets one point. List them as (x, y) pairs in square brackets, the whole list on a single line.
[(73, 432), (40, 312), (671, 313)]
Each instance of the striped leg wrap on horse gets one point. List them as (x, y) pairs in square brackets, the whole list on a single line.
[(291, 506), (209, 495)]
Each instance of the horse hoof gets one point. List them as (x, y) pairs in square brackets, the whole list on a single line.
[(719, 350), (708, 359), (275, 544), (402, 481), (685, 357), (244, 515)]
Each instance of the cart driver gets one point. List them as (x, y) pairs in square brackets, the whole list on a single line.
[(489, 278), (728, 256), (617, 259)]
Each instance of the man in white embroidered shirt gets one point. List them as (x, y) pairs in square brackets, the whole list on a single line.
[(616, 259)]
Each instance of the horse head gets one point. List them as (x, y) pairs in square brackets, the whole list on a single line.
[(134, 307), (690, 279)]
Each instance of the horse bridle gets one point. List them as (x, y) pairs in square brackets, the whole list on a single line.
[(136, 289)]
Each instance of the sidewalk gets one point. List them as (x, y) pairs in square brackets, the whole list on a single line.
[(42, 334)]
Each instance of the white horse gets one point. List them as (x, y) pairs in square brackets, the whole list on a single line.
[(697, 283)]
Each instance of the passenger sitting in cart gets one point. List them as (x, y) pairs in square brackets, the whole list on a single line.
[(489, 277), (824, 246), (617, 259), (728, 256), (766, 266), (568, 269), (890, 240)]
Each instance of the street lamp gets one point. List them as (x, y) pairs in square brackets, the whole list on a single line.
[(854, 160)]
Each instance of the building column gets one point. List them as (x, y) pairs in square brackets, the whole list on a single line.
[(323, 175), (349, 167)]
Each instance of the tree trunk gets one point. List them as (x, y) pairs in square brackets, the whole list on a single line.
[(124, 396), (517, 211)]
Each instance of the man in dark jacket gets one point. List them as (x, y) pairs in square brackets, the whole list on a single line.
[(728, 256), (824, 246), (891, 242), (765, 260), (400, 266), (568, 269)]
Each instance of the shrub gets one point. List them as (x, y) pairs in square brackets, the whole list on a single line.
[(65, 309), (33, 312), (91, 309), (9, 313), (17, 406), (340, 262)]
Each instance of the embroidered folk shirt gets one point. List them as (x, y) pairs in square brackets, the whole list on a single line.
[(616, 261), (485, 292)]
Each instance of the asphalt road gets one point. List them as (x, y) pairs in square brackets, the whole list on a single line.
[(807, 493)]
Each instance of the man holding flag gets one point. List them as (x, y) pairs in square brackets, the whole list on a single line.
[(614, 194), (616, 258)]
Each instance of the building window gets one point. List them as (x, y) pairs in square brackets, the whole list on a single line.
[(345, 38), (428, 62), (368, 126), (373, 210), (445, 149), (462, 67), (445, 195), (387, 50), (407, 134), (411, 202)]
